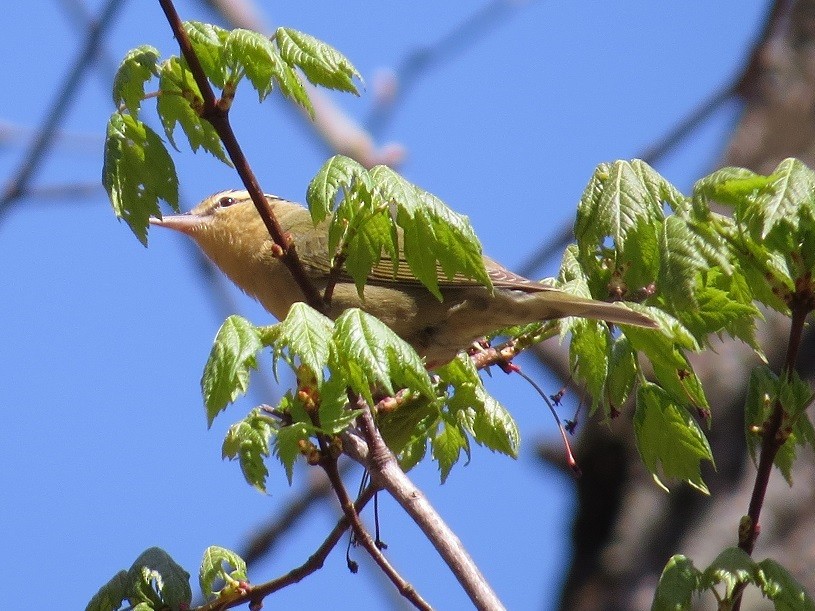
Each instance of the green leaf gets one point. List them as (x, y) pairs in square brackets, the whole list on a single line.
[(321, 63), (446, 446), (138, 67), (729, 186), (589, 354), (157, 578), (433, 233), (222, 564), (208, 42), (306, 334), (287, 445), (257, 56), (404, 428), (681, 261), (618, 197), (370, 355), (137, 172), (248, 441), (233, 355), (780, 587), (336, 174), (677, 584), (732, 567), (762, 390), (180, 103), (335, 413), (622, 369), (668, 438), (111, 595), (493, 426), (791, 187)]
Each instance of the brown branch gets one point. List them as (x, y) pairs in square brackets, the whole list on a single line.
[(772, 437), (386, 473), (329, 464), (217, 114), (315, 562)]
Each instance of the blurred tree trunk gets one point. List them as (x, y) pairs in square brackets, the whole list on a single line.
[(626, 528)]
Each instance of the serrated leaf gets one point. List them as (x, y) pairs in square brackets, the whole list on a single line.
[(208, 42), (762, 389), (249, 442), (779, 586), (446, 447), (677, 584), (233, 355), (622, 368), (179, 103), (370, 355), (321, 63), (404, 428), (111, 595), (790, 187), (336, 174), (681, 260), (589, 353), (156, 577), (138, 67), (137, 172), (668, 438), (494, 427), (256, 54), (306, 334), (433, 233), (618, 197), (287, 445), (335, 413), (222, 564), (731, 567), (729, 186)]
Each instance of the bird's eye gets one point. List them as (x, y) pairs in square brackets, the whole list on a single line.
[(226, 201)]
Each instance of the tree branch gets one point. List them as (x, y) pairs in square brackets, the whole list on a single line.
[(386, 473), (217, 114)]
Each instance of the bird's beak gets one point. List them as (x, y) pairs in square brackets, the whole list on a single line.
[(185, 223)]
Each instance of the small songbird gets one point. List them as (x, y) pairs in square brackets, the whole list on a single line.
[(228, 228)]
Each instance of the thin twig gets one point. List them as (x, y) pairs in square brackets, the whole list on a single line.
[(314, 563)]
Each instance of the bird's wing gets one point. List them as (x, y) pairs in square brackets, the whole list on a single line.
[(384, 272)]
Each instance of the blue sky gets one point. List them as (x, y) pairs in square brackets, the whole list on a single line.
[(103, 439)]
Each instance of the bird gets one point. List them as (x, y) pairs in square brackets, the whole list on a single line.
[(228, 229)]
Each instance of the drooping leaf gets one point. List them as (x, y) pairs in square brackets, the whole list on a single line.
[(180, 102), (669, 440), (137, 172), (220, 564), (372, 355), (138, 67), (321, 63), (156, 577), (249, 441), (677, 585), (233, 355)]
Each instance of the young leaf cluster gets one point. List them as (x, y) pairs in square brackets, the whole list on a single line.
[(156, 582), (436, 241), (356, 355), (697, 274), (681, 581), (138, 171)]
